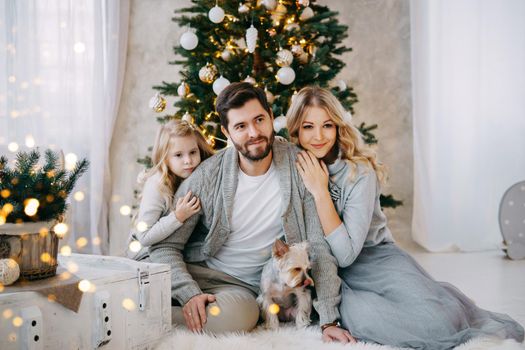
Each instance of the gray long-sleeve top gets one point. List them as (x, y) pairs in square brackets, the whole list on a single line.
[(156, 217), (356, 201)]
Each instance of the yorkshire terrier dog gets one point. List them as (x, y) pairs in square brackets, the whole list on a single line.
[(284, 282)]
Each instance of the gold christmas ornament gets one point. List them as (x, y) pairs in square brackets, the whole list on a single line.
[(183, 90), (279, 13), (188, 118), (208, 73), (284, 58), (157, 103), (299, 53), (312, 49)]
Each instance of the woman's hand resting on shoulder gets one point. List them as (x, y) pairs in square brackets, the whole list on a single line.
[(314, 173)]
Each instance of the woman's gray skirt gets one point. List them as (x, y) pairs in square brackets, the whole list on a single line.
[(388, 298)]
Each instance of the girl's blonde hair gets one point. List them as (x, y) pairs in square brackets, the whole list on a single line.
[(169, 182), (349, 140)]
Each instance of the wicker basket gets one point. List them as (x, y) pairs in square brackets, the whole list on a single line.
[(34, 246)]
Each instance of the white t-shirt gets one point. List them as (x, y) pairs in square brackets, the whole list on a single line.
[(255, 224)]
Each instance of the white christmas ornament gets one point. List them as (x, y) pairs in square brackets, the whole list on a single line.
[(9, 271), (251, 38), (269, 4), (216, 14), (220, 84), (286, 75), (250, 80), (306, 14), (183, 89), (189, 40), (341, 85), (279, 123), (243, 8)]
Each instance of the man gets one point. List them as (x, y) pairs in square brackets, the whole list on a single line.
[(250, 195)]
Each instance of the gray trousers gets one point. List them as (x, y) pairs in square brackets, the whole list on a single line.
[(235, 308)]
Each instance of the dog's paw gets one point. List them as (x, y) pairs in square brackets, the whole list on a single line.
[(271, 324), (302, 321)]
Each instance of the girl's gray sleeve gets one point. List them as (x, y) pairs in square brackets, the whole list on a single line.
[(347, 240), (152, 209)]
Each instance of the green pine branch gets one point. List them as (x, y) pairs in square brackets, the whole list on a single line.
[(49, 184)]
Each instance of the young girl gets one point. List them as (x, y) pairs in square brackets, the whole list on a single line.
[(386, 296), (178, 150)]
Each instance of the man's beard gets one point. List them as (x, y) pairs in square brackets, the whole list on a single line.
[(257, 155)]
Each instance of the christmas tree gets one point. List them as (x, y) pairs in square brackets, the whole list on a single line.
[(278, 45)]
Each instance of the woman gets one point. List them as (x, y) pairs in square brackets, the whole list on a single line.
[(387, 297)]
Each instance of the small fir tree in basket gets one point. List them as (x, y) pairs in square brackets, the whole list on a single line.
[(32, 200)]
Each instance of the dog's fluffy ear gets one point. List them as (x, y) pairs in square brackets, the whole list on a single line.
[(280, 248)]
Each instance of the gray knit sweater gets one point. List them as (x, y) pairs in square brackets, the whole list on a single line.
[(356, 200), (202, 235)]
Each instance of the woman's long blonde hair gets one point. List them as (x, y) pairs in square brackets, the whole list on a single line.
[(169, 182), (349, 140)]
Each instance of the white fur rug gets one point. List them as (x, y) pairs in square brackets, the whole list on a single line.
[(289, 338)]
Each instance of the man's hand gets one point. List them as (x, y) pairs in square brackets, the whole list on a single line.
[(187, 206), (194, 311), (335, 333)]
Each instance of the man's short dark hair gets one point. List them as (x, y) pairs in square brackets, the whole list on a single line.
[(235, 96)]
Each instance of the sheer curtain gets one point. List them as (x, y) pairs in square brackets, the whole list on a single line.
[(61, 74), (468, 66)]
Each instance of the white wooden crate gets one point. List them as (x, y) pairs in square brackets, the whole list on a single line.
[(102, 320)]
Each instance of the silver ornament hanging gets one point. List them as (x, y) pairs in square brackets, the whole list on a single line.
[(251, 38)]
